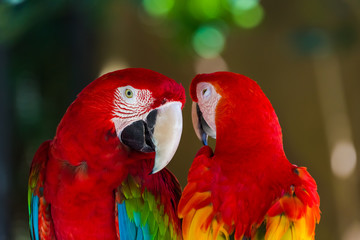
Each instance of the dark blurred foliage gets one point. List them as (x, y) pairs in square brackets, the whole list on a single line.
[(305, 55)]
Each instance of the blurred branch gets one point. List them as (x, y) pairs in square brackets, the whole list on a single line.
[(340, 141), (83, 48), (5, 147)]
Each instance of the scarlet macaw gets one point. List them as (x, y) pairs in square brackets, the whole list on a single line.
[(102, 175), (246, 188)]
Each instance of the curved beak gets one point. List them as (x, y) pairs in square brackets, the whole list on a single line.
[(202, 129), (160, 132)]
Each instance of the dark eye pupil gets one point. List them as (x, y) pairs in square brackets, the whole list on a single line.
[(128, 93)]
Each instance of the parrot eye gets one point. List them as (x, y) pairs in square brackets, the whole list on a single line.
[(129, 93), (206, 92)]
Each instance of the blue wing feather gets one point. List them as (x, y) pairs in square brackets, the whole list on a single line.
[(131, 229), (36, 201), (139, 235), (127, 228), (146, 232), (142, 216), (137, 218), (31, 219), (35, 214)]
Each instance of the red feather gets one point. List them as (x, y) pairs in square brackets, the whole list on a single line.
[(248, 177), (87, 161)]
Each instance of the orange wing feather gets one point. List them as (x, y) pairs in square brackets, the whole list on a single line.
[(291, 217), (295, 215)]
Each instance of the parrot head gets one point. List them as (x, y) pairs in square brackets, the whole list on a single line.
[(127, 114), (232, 109)]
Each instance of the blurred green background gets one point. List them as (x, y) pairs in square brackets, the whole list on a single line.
[(304, 54)]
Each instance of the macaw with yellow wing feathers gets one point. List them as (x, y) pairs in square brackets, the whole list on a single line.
[(103, 176), (246, 188)]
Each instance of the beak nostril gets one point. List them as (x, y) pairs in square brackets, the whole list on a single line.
[(164, 101)]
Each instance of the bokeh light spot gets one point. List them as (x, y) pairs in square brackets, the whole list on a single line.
[(15, 2), (205, 65), (158, 7), (352, 232), (205, 9), (113, 64), (249, 18), (243, 4), (343, 159), (208, 42)]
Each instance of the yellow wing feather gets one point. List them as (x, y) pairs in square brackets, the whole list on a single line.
[(285, 227), (194, 226)]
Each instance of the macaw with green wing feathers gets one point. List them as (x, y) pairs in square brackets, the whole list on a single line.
[(103, 175), (246, 188)]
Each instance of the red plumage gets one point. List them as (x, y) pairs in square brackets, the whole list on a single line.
[(245, 180), (86, 161)]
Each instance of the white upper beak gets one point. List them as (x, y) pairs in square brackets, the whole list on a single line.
[(167, 133)]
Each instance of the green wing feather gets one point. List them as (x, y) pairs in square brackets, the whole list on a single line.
[(142, 215), (40, 223)]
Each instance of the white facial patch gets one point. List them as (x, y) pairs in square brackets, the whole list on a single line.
[(208, 99), (130, 104)]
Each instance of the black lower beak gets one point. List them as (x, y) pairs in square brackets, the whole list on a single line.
[(139, 134), (203, 126)]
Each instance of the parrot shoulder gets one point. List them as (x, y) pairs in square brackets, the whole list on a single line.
[(295, 214), (140, 213), (40, 222), (195, 207), (197, 192)]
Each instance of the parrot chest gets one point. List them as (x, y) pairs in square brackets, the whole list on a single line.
[(224, 198), (85, 219), (241, 200), (81, 207)]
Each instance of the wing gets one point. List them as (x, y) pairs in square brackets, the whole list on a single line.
[(195, 208), (141, 215), (40, 222), (295, 215)]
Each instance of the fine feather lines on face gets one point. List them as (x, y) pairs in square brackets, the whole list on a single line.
[(130, 103), (208, 100)]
